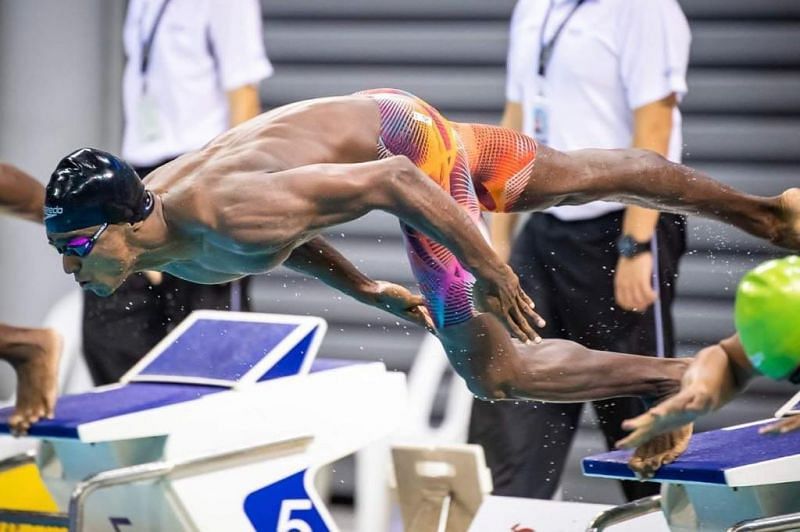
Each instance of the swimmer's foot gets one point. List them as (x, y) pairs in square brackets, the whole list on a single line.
[(36, 364), (789, 235), (661, 450)]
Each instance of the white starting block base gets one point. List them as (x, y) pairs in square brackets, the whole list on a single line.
[(221, 427), (725, 478), (512, 514)]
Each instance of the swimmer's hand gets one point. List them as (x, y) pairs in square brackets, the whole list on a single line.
[(661, 450), (153, 277), (782, 426), (401, 302), (502, 295), (673, 413)]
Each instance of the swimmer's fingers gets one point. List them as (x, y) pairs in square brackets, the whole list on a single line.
[(520, 319), (643, 429), (528, 305), (782, 426)]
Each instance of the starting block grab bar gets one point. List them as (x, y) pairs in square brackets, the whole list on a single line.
[(769, 524), (646, 505), (73, 520), (625, 512)]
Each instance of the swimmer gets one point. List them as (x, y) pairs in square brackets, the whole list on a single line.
[(767, 343), (33, 353), (298, 169)]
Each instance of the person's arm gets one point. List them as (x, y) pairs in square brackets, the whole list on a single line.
[(716, 375), (243, 104), (319, 259), (303, 201), (633, 289), (20, 194), (502, 225)]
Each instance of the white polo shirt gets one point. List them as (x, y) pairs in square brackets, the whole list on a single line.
[(201, 49), (612, 57)]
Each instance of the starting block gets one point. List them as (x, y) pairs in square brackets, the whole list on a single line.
[(728, 479), (222, 426)]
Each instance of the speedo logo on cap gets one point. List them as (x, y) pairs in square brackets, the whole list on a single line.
[(52, 212)]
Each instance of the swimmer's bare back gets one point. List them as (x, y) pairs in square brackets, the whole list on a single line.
[(244, 202)]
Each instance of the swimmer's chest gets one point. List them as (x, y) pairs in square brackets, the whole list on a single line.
[(227, 255)]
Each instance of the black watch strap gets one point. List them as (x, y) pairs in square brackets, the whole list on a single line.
[(628, 247)]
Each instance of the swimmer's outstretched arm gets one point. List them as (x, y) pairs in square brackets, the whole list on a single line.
[(20, 194), (644, 178), (319, 259), (716, 375), (311, 198)]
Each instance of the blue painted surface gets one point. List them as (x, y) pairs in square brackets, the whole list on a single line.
[(709, 455), (324, 364), (291, 363), (263, 507), (75, 410), (219, 349)]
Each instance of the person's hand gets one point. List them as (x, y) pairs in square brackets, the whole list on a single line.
[(673, 413), (661, 450), (633, 288), (153, 277), (782, 426), (502, 295), (402, 303)]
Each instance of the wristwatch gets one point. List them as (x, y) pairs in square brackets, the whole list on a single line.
[(628, 247)]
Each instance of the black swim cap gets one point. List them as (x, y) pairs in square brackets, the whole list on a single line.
[(90, 187)]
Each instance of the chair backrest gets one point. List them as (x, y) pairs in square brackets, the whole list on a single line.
[(424, 379), (66, 317)]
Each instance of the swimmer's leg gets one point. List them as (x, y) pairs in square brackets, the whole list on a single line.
[(645, 178), (507, 180), (496, 367), (34, 355)]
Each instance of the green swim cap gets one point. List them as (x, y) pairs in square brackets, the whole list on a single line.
[(768, 317)]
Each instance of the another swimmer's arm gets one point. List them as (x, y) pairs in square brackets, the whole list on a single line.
[(715, 376), (20, 194), (319, 259)]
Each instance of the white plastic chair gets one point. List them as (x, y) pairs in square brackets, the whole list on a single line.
[(373, 463)]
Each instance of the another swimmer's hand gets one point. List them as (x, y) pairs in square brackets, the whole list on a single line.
[(502, 295), (782, 426), (673, 413), (401, 302)]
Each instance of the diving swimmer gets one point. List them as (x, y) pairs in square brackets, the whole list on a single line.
[(298, 169), (33, 353)]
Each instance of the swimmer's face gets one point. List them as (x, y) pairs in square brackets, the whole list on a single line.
[(105, 265)]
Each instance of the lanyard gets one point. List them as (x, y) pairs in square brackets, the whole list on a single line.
[(147, 44), (546, 48)]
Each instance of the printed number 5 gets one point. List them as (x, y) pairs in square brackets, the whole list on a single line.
[(286, 523)]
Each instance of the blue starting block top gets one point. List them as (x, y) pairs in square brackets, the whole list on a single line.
[(209, 352), (736, 456), (231, 349)]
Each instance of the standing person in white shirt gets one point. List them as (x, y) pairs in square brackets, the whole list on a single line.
[(580, 74), (193, 68)]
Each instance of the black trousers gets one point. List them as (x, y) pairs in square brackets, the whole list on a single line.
[(120, 329), (568, 270)]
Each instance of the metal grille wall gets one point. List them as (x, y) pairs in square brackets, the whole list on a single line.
[(741, 125)]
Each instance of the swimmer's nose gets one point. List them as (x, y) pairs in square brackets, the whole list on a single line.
[(72, 265)]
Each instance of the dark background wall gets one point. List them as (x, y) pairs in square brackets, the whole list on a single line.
[(741, 124)]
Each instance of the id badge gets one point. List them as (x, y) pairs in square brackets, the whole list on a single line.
[(540, 118), (148, 123)]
